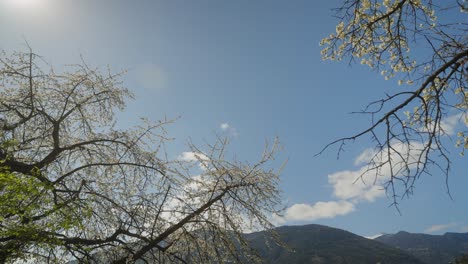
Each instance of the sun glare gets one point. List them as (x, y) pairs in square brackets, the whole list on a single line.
[(24, 3), (27, 9)]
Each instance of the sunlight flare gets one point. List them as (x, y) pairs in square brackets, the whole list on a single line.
[(24, 3)]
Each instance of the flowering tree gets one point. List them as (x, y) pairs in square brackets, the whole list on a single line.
[(74, 186), (424, 46)]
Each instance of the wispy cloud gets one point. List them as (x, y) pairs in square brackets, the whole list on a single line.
[(186, 197), (190, 156), (224, 126), (448, 125), (319, 210), (363, 184), (355, 185), (374, 236), (228, 129), (437, 228), (352, 187), (451, 122)]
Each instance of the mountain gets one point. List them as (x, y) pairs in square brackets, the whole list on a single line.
[(317, 244), (432, 249)]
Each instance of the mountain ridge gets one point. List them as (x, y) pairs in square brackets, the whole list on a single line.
[(318, 244), (432, 249)]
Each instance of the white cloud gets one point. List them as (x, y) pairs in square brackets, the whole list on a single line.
[(181, 201), (365, 156), (450, 123), (151, 77), (374, 236), (190, 156), (319, 210), (224, 126), (366, 184), (352, 187), (436, 228), (399, 152), (228, 129), (355, 185), (362, 184)]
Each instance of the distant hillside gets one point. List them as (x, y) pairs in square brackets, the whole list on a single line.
[(432, 249), (316, 244)]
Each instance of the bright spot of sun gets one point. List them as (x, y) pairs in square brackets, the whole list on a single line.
[(28, 12), (24, 3)]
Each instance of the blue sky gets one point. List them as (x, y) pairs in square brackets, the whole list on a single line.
[(255, 67)]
